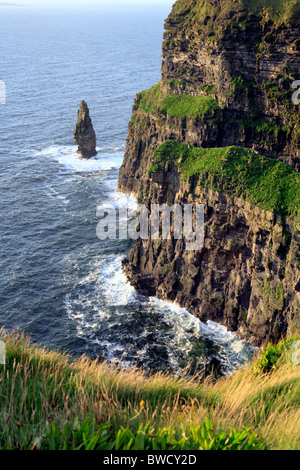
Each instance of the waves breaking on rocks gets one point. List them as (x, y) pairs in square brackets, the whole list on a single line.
[(116, 322)]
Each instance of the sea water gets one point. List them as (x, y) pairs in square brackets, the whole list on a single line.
[(58, 282)]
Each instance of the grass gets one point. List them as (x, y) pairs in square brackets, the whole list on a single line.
[(90, 437), (197, 11), (180, 106), (49, 401), (149, 100), (264, 182), (280, 10), (188, 106)]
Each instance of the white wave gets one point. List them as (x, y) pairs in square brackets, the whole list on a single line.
[(185, 328), (232, 350), (70, 159), (115, 286), (124, 205), (110, 282), (111, 149), (122, 200)]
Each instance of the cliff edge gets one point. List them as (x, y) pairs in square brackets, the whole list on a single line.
[(221, 129)]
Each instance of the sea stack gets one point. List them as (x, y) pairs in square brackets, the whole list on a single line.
[(84, 134)]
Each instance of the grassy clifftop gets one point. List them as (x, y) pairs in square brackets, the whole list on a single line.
[(201, 11), (262, 181), (49, 401)]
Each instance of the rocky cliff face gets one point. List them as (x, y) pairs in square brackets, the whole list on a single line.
[(84, 134), (227, 75)]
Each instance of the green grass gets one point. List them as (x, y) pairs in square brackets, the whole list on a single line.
[(280, 10), (262, 181), (196, 11), (180, 106), (269, 360), (188, 106), (49, 401), (87, 436), (149, 100)]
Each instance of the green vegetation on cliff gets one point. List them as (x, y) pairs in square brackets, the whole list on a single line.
[(50, 401), (208, 11), (262, 181), (180, 106), (149, 100), (188, 106)]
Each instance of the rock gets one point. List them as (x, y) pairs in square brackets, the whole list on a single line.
[(84, 134), (247, 277)]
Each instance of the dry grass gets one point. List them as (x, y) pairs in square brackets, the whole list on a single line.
[(38, 386)]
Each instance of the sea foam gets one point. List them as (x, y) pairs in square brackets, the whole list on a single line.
[(70, 159)]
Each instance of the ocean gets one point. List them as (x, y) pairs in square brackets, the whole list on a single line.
[(58, 282)]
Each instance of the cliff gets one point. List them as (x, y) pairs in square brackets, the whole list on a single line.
[(84, 134), (221, 129)]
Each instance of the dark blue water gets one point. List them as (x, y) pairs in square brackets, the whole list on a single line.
[(58, 282)]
